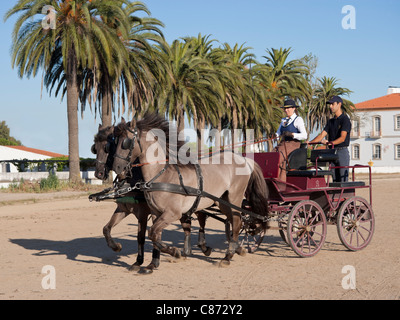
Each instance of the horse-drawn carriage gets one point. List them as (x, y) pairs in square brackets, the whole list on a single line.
[(308, 201), (302, 206)]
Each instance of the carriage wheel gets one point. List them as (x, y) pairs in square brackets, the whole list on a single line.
[(306, 228), (355, 223), (283, 236), (282, 231), (252, 239)]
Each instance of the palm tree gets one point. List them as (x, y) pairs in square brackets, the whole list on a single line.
[(206, 114), (82, 38), (319, 113), (132, 74), (143, 72), (267, 115), (191, 84), (231, 64), (286, 77), (277, 79)]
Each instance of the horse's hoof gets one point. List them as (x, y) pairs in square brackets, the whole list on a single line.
[(177, 253), (118, 247), (241, 251), (149, 269), (207, 251), (135, 267), (146, 270), (187, 253), (224, 263)]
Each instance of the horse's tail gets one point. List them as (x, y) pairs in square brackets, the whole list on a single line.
[(257, 192)]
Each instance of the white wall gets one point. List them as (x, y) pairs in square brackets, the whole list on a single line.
[(7, 178), (7, 153), (388, 139)]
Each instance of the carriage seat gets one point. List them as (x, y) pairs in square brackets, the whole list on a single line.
[(298, 162), (309, 173), (347, 184), (324, 156), (297, 159)]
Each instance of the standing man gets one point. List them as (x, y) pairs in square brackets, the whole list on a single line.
[(291, 131), (338, 131)]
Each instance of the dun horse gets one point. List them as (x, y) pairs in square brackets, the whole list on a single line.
[(104, 147), (150, 140)]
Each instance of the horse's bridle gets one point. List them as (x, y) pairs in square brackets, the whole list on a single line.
[(109, 149), (126, 144)]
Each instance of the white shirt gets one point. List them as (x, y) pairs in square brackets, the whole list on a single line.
[(298, 123)]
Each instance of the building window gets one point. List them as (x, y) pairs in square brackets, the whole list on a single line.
[(397, 151), (376, 126), (355, 128), (355, 152), (376, 152), (397, 122)]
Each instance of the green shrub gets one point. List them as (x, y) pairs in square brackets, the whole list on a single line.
[(50, 183)]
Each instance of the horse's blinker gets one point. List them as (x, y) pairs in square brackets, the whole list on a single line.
[(128, 144)]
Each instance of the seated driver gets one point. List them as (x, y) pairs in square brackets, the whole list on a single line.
[(291, 131)]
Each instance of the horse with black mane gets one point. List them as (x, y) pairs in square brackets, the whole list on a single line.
[(174, 186), (133, 202)]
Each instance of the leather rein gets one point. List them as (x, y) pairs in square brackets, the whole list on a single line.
[(168, 187)]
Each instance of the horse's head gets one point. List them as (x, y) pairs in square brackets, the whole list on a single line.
[(127, 149), (104, 149)]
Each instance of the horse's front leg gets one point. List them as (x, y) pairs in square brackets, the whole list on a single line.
[(116, 218), (142, 212), (155, 233), (155, 236), (155, 262), (186, 223), (202, 234), (234, 246)]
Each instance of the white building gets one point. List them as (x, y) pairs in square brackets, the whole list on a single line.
[(375, 133), (21, 153), (9, 172)]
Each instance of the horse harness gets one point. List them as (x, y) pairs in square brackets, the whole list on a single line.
[(150, 186), (128, 143)]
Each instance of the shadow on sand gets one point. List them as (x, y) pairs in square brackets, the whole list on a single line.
[(95, 249)]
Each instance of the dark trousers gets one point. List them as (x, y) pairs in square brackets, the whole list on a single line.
[(342, 174)]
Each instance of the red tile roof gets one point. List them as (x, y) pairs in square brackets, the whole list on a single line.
[(390, 101), (38, 151)]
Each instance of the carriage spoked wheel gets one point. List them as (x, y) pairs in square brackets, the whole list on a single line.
[(306, 228), (282, 231), (252, 234), (355, 223)]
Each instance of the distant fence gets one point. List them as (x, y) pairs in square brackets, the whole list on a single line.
[(35, 170), (26, 165)]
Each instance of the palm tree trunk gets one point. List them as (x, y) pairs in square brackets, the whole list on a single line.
[(200, 128), (234, 123), (221, 140), (72, 114), (181, 122), (106, 107)]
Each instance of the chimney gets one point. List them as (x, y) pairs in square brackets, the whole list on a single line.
[(393, 89)]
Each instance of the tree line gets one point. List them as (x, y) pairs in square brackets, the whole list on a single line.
[(5, 138), (111, 55)]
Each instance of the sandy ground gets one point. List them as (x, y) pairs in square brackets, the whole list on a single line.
[(64, 230)]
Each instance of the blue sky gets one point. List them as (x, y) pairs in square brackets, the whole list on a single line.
[(365, 59)]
